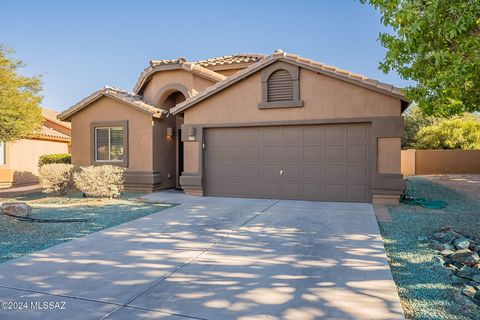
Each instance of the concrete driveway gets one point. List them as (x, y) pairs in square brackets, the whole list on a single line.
[(213, 258)]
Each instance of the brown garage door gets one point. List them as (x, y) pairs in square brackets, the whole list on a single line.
[(311, 162)]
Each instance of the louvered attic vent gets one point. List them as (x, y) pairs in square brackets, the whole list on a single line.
[(280, 86)]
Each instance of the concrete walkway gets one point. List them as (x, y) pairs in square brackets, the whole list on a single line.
[(213, 258)]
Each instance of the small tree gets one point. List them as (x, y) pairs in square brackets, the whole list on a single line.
[(435, 43), (460, 132), (20, 112)]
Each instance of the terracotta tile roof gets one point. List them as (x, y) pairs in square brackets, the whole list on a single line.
[(48, 132), (51, 115), (129, 98), (175, 64), (300, 61), (231, 60)]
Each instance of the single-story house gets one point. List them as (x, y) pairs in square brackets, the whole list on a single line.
[(248, 125), (19, 159)]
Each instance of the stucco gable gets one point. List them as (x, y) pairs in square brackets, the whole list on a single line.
[(175, 64), (318, 67), (130, 99)]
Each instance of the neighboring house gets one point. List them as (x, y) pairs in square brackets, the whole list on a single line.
[(19, 159), (278, 126)]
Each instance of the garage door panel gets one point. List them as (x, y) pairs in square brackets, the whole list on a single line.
[(271, 171), (291, 135), (272, 136), (272, 153), (312, 171), (271, 189), (357, 193), (334, 153), (252, 153), (334, 192), (334, 173), (318, 162), (292, 190), (357, 133), (292, 153), (313, 135), (291, 171), (357, 153), (252, 171), (312, 153), (358, 173), (334, 135)]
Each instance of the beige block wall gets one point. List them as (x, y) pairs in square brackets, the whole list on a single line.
[(140, 132), (408, 162), (388, 155), (324, 98), (426, 162), (22, 159)]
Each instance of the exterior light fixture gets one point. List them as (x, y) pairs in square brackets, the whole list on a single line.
[(169, 132), (192, 132)]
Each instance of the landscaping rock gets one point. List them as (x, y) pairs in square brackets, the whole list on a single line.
[(476, 278), (461, 243), (15, 208), (467, 273), (447, 252), (466, 257), (422, 239), (476, 296), (457, 281), (469, 291)]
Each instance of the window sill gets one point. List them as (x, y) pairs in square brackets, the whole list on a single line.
[(281, 104), (122, 163)]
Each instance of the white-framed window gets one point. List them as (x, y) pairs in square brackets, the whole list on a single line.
[(109, 144), (3, 153)]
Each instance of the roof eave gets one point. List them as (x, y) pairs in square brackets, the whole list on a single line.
[(285, 57)]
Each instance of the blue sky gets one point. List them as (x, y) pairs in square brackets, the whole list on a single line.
[(80, 46)]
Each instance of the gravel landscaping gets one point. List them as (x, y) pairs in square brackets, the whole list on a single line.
[(413, 242), (18, 238)]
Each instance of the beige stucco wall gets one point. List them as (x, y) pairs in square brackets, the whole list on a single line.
[(152, 92), (22, 159), (140, 137), (388, 155), (324, 98)]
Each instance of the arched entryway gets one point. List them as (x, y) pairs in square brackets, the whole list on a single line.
[(167, 98)]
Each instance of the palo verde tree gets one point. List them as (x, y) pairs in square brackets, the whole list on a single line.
[(20, 112), (436, 43)]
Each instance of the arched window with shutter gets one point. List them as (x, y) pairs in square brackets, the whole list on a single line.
[(280, 86)]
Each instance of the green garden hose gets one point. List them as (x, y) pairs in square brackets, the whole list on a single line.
[(411, 197)]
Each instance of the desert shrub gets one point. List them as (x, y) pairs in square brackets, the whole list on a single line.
[(57, 177), (55, 158), (460, 132), (100, 181), (414, 120)]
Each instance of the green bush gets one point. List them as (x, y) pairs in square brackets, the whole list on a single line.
[(57, 177), (460, 132), (55, 158), (414, 120), (100, 181)]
